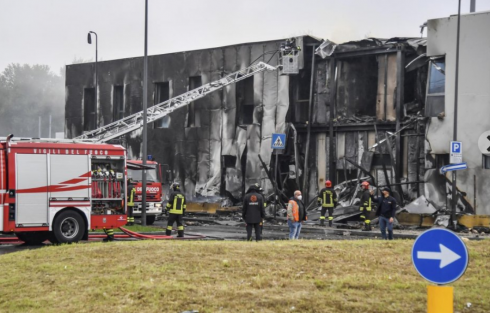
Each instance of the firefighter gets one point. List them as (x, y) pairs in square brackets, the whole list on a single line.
[(131, 191), (110, 234), (366, 204), (328, 200), (176, 209), (253, 212)]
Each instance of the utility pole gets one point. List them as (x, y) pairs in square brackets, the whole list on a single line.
[(39, 128), (145, 126), (455, 128)]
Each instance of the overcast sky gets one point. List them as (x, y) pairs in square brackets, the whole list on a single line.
[(54, 32)]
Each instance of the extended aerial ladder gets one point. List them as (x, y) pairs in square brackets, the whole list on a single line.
[(160, 110)]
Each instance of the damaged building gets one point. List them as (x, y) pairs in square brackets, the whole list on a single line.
[(213, 145), (375, 109), (473, 110)]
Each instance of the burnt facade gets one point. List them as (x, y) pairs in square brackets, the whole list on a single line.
[(213, 145), (355, 111), (364, 94)]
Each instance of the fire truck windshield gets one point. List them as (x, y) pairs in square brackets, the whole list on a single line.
[(137, 175)]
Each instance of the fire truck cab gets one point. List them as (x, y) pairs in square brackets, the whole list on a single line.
[(153, 188), (60, 189)]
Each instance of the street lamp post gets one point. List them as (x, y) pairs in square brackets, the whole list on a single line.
[(89, 40), (145, 105), (455, 121)]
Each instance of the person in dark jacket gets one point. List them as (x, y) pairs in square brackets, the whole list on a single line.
[(386, 210), (176, 208), (253, 212)]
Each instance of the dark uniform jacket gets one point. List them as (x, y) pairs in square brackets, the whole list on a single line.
[(328, 197), (365, 197), (386, 206), (253, 208), (176, 202)]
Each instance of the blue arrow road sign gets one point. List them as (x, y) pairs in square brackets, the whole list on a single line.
[(439, 256), (453, 167), (278, 141)]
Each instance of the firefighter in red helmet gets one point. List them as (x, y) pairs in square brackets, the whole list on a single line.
[(366, 205), (328, 200)]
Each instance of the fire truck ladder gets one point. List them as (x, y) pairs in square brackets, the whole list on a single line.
[(158, 111)]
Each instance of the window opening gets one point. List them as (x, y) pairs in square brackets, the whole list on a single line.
[(118, 102), (89, 109)]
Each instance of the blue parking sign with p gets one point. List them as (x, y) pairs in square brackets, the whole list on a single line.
[(455, 147)]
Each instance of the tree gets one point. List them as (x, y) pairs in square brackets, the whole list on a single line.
[(28, 92)]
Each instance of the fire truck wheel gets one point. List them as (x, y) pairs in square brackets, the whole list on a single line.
[(68, 227), (33, 238), (150, 219)]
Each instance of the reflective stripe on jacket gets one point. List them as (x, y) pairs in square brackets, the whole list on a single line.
[(176, 203), (131, 197), (327, 198), (366, 200)]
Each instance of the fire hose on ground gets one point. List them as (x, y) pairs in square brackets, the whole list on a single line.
[(127, 234)]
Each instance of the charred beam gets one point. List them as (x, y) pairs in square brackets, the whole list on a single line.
[(400, 91), (363, 170), (333, 89)]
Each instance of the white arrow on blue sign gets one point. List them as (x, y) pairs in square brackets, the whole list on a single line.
[(453, 167), (278, 141), (439, 256)]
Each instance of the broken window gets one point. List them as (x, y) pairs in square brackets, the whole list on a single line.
[(193, 117), (486, 161), (380, 159), (89, 109), (245, 101), (118, 102), (300, 85), (344, 175), (161, 94), (229, 161), (436, 87), (442, 160)]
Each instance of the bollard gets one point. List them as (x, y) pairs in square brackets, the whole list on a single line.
[(440, 299)]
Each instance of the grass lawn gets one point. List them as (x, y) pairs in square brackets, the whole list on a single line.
[(221, 276), (136, 228)]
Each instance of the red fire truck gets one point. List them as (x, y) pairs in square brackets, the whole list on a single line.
[(60, 189), (153, 188)]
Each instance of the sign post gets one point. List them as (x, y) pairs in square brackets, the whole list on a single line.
[(440, 257), (455, 157), (278, 143)]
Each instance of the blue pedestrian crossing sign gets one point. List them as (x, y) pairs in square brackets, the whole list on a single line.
[(278, 141), (439, 256)]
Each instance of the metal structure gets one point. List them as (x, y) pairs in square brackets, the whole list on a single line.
[(135, 121), (289, 61)]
